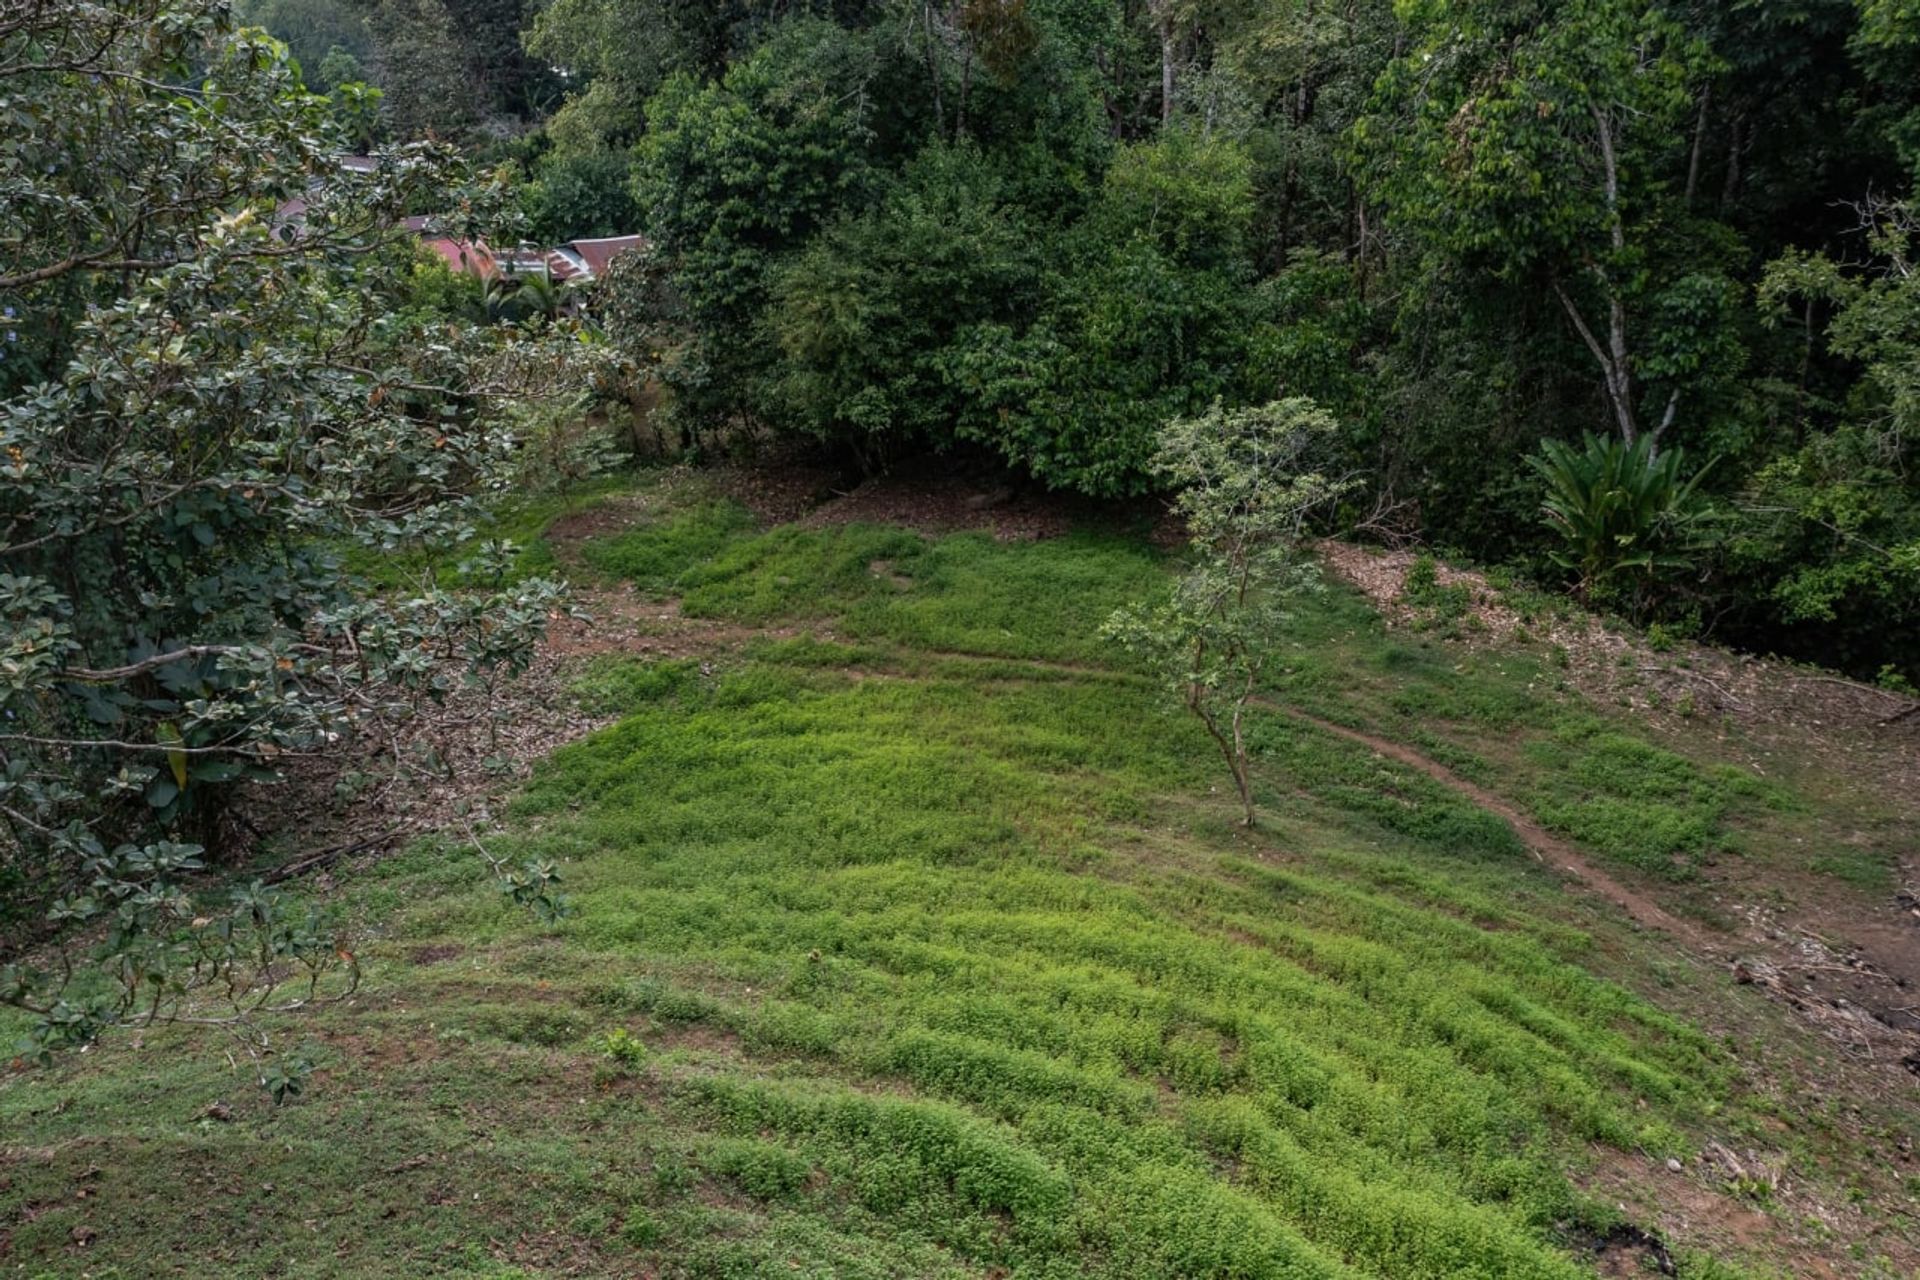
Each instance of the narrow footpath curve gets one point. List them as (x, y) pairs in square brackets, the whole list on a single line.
[(1546, 846)]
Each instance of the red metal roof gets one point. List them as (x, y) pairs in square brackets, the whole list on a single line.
[(598, 253), (565, 264), (470, 256)]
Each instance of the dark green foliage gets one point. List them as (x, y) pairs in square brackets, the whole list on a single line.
[(1038, 231), (1629, 518), (1144, 317), (866, 315), (214, 406), (316, 32), (581, 195), (420, 64), (1027, 289), (442, 66), (733, 174)]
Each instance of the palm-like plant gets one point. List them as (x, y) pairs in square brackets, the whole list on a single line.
[(1627, 514), (523, 298)]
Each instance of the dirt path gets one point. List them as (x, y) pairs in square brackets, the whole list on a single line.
[(1546, 846), (1847, 961), (1773, 705)]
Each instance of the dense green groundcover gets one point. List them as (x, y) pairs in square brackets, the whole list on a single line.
[(914, 939)]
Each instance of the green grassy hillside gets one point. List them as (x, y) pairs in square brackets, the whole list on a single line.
[(913, 938)]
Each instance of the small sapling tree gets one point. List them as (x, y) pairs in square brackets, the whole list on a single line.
[(1246, 487)]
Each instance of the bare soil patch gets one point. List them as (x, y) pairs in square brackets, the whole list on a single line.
[(423, 773), (932, 496), (1708, 1204)]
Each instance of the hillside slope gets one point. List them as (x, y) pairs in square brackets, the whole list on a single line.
[(912, 936)]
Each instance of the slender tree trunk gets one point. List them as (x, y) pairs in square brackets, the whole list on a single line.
[(1286, 210), (1667, 416), (966, 84), (1241, 769), (1166, 62), (933, 66), (1232, 749), (1619, 392), (1290, 188), (1806, 371), (1615, 364), (1735, 143), (1699, 143)]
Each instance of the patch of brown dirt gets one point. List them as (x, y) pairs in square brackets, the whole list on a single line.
[(421, 773), (1700, 1206), (782, 493), (935, 503), (929, 495), (602, 520), (620, 620), (618, 512), (699, 1037), (1626, 1251)]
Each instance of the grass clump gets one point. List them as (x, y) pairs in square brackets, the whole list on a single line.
[(658, 553), (1641, 804)]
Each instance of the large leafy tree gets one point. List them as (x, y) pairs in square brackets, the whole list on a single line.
[(1535, 142), (204, 403), (423, 69), (1145, 316), (736, 174), (867, 314), (1829, 534)]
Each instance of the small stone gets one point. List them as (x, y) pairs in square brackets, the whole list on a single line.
[(1673, 1165)]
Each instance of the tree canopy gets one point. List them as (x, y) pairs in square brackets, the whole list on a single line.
[(214, 389), (1040, 229)]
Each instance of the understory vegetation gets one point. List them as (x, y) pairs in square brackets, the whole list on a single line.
[(899, 944)]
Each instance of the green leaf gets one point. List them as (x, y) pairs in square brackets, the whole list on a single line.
[(168, 732)]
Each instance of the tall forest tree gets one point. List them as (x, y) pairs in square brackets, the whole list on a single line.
[(1536, 143)]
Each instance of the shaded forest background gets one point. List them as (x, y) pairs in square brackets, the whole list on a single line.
[(1037, 229)]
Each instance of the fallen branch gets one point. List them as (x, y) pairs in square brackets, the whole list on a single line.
[(1898, 716), (1905, 713), (328, 856), (1695, 675)]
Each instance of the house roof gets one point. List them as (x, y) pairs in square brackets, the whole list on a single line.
[(598, 254), (471, 256), (582, 260), (565, 264)]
